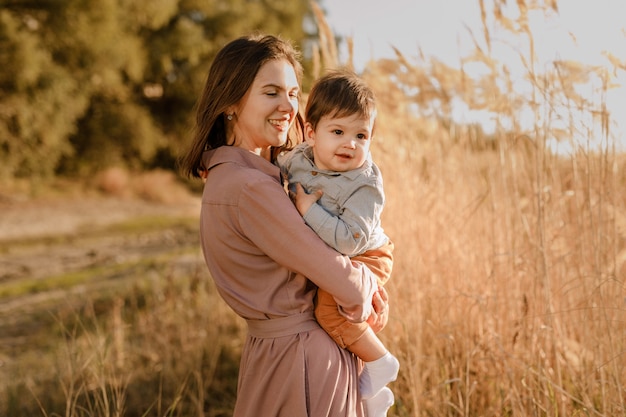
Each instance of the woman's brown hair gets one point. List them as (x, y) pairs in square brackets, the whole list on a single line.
[(231, 74)]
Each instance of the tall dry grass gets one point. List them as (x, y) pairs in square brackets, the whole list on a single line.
[(508, 289)]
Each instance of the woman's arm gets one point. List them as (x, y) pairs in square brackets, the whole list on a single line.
[(269, 218)]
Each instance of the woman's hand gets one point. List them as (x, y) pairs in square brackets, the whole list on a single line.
[(380, 314)]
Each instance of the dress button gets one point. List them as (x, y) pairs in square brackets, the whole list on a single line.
[(314, 173)]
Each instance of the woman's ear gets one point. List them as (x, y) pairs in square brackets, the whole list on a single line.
[(230, 111)]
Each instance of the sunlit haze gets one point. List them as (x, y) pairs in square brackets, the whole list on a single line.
[(580, 31)]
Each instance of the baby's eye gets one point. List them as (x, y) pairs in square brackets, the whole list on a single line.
[(361, 136), (338, 132)]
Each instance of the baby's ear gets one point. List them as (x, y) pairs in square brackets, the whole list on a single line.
[(309, 134)]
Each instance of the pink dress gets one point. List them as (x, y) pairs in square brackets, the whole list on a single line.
[(259, 251)]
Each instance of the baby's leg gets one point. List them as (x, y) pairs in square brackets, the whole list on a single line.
[(368, 347), (380, 366)]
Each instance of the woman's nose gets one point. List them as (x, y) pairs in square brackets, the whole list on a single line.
[(287, 104)]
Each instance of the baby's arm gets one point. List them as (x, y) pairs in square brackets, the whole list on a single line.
[(350, 231)]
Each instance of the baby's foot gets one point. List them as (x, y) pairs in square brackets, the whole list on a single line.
[(378, 405), (377, 374)]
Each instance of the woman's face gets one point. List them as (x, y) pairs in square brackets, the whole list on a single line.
[(265, 114), (340, 143)]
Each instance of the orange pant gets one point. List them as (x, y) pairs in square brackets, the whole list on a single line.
[(343, 332)]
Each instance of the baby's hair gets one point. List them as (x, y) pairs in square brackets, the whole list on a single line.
[(339, 93)]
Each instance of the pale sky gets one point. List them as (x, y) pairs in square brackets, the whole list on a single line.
[(580, 31), (406, 24), (438, 27)]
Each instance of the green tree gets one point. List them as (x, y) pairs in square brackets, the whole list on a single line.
[(93, 83), (182, 50), (36, 116)]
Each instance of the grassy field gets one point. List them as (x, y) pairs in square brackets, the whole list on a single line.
[(508, 294), (507, 297)]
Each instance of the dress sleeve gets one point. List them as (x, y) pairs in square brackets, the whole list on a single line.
[(272, 222)]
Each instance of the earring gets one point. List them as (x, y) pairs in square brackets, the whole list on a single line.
[(229, 117)]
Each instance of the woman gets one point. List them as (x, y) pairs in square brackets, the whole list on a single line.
[(265, 261)]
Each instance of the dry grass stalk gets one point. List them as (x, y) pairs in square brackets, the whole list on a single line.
[(327, 45)]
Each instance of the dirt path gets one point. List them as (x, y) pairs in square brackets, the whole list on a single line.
[(40, 240), (21, 219)]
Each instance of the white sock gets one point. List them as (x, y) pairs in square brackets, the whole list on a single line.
[(378, 405), (377, 374)]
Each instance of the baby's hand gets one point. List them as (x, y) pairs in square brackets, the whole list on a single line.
[(304, 201), (379, 317)]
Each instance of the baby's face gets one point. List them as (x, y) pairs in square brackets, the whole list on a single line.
[(340, 144)]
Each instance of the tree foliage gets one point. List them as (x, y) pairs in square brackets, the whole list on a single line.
[(87, 84)]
